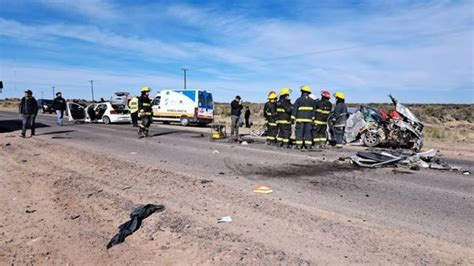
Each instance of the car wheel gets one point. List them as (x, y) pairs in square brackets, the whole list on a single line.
[(106, 120), (370, 139), (184, 121)]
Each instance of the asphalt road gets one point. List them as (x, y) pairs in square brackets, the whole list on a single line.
[(436, 204)]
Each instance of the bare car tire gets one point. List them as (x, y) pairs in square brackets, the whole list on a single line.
[(184, 121), (370, 139), (106, 120)]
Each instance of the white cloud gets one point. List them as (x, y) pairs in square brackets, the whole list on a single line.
[(93, 9)]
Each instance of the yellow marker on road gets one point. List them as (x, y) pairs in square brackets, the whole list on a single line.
[(263, 189)]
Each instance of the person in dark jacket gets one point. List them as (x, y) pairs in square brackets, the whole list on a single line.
[(322, 110), (270, 114), (339, 118), (303, 114), (284, 110), (28, 110), (235, 112), (144, 112), (247, 117), (59, 105)]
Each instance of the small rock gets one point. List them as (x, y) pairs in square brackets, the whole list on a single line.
[(8, 144), (75, 216), (30, 211), (367, 195), (221, 173), (24, 161)]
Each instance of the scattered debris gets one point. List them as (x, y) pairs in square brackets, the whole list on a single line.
[(415, 161), (205, 181), (31, 242), (263, 189), (215, 151), (136, 218), (225, 219), (244, 143), (30, 211), (60, 137), (466, 172), (24, 161), (8, 144), (221, 173), (75, 216), (128, 187), (36, 154), (133, 152)]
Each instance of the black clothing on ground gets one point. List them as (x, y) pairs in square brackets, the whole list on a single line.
[(136, 218)]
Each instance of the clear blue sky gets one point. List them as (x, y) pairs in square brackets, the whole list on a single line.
[(421, 51)]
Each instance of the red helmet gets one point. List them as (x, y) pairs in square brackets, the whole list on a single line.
[(395, 115), (326, 94)]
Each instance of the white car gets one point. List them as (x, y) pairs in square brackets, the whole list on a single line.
[(103, 112)]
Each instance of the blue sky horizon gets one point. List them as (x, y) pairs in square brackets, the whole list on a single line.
[(419, 51)]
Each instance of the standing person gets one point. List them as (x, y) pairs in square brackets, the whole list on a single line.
[(59, 105), (303, 114), (284, 109), (247, 117), (339, 118), (270, 114), (322, 110), (144, 111), (235, 112), (28, 111), (133, 106)]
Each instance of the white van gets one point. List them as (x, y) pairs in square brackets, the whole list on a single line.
[(183, 106)]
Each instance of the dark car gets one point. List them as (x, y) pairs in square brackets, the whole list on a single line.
[(45, 105)]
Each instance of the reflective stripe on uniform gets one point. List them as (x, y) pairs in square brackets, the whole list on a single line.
[(281, 110), (308, 142), (268, 113), (293, 117), (299, 142), (305, 108), (271, 138), (286, 140), (145, 104), (319, 139), (307, 120), (283, 122), (272, 124), (318, 122), (322, 111)]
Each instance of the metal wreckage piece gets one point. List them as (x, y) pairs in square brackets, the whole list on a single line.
[(381, 157)]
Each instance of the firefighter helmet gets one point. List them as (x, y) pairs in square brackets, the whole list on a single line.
[(272, 95), (285, 91), (340, 95), (326, 94), (145, 89), (305, 88)]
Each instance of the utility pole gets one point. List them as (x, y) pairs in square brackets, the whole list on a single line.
[(54, 93), (92, 89), (184, 70)]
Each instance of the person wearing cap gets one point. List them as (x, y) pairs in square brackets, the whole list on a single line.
[(59, 105), (322, 110), (144, 112), (270, 114), (339, 118), (303, 114), (235, 112), (28, 111), (284, 110)]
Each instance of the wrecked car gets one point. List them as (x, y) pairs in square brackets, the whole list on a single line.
[(373, 127), (103, 112)]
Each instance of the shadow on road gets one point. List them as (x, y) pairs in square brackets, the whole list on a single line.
[(15, 124), (166, 133), (56, 132)]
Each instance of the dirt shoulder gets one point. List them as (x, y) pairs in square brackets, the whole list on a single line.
[(65, 213)]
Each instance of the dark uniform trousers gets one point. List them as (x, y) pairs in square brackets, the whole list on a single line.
[(303, 133)]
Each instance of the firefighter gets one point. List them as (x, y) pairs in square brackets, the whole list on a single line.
[(339, 118), (303, 114), (322, 110), (133, 105), (284, 109), (144, 111), (270, 114)]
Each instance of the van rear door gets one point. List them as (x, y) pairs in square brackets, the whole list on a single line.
[(205, 106)]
